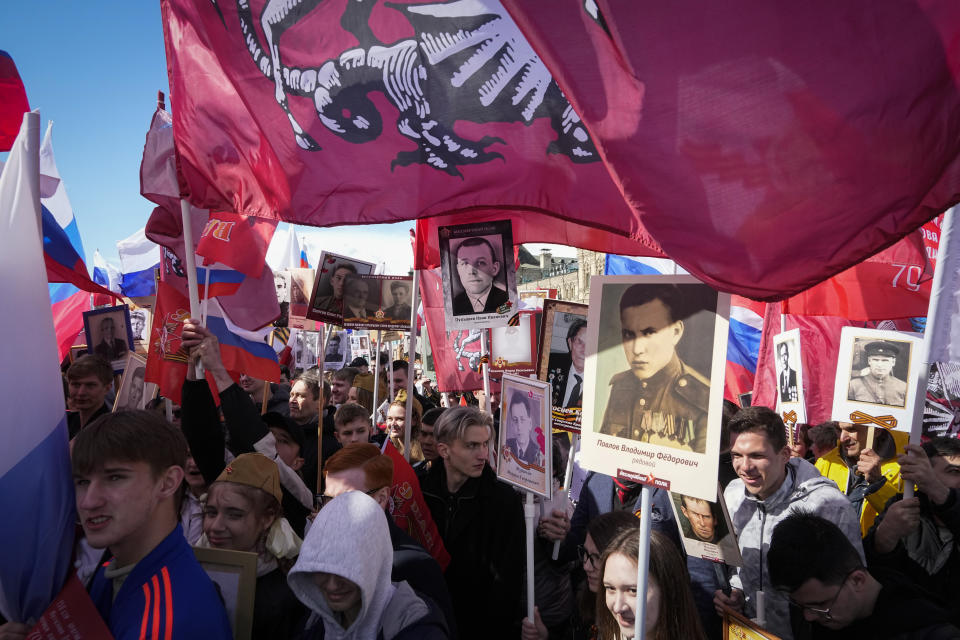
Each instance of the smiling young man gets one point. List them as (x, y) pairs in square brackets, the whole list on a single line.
[(481, 523), (128, 470), (813, 562), (770, 486)]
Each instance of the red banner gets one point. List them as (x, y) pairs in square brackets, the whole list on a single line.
[(768, 146)]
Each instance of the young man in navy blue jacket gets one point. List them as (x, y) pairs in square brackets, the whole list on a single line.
[(128, 472)]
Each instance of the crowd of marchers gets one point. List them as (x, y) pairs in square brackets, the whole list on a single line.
[(297, 473)]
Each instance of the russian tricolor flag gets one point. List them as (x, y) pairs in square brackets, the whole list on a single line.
[(743, 346), (139, 257), (218, 282), (36, 488)]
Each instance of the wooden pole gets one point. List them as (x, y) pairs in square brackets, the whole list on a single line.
[(321, 347), (191, 264)]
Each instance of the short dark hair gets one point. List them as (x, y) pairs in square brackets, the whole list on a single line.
[(91, 365), (941, 447), (399, 284), (431, 416), (806, 546), (401, 364), (781, 346), (129, 436), (763, 420), (825, 434), (575, 328), (519, 397), (349, 266), (681, 302), (346, 373), (348, 412), (476, 241), (668, 294)]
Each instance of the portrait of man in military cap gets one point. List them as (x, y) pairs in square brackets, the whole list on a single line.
[(876, 381), (660, 398)]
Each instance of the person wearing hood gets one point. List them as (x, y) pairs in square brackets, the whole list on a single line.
[(770, 486), (242, 513), (343, 577)]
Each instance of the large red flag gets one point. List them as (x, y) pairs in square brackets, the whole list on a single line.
[(456, 354), (377, 112), (765, 146), (236, 240), (895, 283), (13, 101)]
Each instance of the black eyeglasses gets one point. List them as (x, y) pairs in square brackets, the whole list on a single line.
[(323, 500), (825, 613), (586, 556)]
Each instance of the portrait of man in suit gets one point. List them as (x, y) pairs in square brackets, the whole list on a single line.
[(479, 274), (522, 421), (109, 347), (565, 369), (787, 379), (356, 296)]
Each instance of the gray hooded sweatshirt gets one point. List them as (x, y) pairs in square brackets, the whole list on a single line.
[(350, 538), (803, 490)]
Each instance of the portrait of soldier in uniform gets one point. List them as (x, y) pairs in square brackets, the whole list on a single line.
[(659, 398), (877, 383), (400, 297), (787, 377)]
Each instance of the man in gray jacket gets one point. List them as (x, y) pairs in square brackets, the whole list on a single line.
[(770, 486)]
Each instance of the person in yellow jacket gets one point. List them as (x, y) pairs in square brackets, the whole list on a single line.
[(868, 476)]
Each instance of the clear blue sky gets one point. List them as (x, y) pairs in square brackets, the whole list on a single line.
[(94, 69)]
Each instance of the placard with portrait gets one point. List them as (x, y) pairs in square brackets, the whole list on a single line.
[(876, 381), (326, 301), (653, 395), (562, 359), (525, 446), (479, 275)]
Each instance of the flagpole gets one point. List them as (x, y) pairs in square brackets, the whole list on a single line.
[(948, 240), (191, 260), (321, 357), (567, 478), (376, 379), (411, 369), (643, 563), (529, 514)]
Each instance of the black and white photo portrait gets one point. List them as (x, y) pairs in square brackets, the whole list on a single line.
[(524, 441), (139, 324), (786, 375), (479, 276), (879, 378), (329, 287), (562, 360), (665, 333), (109, 334)]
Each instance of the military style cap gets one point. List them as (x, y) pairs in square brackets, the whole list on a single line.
[(254, 470), (882, 348)]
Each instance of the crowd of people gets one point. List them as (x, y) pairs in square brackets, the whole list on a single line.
[(301, 474)]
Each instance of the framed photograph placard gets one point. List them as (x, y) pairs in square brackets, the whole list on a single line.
[(281, 280), (788, 365), (301, 284), (562, 360), (235, 574), (653, 393), (705, 528), (109, 334), (525, 445), (134, 391), (479, 275), (877, 373), (377, 302), (513, 349), (326, 302), (738, 627)]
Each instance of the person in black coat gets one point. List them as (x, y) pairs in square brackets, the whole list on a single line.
[(481, 523)]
